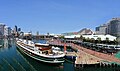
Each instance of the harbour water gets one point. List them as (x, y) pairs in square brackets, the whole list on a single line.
[(11, 59)]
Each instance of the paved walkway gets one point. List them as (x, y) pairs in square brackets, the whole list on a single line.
[(85, 58), (102, 56)]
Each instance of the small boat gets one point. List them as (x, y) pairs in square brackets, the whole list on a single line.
[(41, 52)]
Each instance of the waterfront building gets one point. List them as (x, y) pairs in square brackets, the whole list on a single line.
[(2, 29), (19, 29), (9, 31), (102, 37), (101, 30), (113, 27), (72, 36), (5, 31), (15, 29), (95, 37)]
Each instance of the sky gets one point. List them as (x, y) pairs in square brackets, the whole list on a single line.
[(57, 16)]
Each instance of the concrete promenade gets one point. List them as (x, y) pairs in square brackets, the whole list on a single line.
[(103, 56), (87, 56)]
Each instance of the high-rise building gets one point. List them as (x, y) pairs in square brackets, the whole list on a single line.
[(101, 30), (15, 29), (2, 29), (6, 31), (113, 27), (9, 31)]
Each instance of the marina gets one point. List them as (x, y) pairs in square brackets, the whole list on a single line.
[(59, 35), (13, 59)]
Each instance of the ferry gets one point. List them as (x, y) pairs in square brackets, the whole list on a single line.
[(41, 52)]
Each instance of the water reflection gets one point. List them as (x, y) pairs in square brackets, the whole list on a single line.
[(5, 44)]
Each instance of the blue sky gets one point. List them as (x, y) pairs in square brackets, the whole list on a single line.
[(57, 16)]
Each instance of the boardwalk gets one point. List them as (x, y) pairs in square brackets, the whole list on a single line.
[(103, 56), (85, 58), (98, 55)]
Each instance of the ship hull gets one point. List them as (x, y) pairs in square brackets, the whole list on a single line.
[(40, 58)]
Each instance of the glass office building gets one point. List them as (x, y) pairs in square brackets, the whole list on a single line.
[(114, 27)]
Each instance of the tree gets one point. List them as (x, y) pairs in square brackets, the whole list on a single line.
[(61, 37), (88, 39), (84, 40), (92, 40), (98, 40), (107, 40), (115, 41), (81, 37)]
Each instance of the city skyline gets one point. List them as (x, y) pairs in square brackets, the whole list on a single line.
[(57, 16)]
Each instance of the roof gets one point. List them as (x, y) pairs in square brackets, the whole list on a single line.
[(103, 37)]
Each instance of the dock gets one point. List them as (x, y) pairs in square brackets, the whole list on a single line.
[(105, 57), (87, 56)]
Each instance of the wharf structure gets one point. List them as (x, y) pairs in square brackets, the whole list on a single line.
[(89, 57), (47, 37)]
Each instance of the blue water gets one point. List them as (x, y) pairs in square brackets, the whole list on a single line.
[(11, 59)]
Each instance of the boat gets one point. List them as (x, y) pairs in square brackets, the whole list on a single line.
[(41, 52)]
